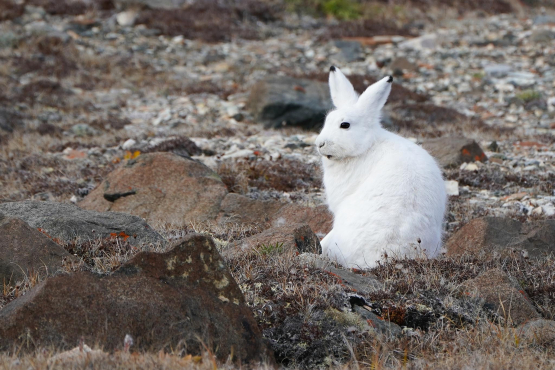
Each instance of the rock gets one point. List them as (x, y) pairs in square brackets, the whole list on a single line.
[(542, 36), (452, 188), (452, 151), (489, 235), (381, 326), (418, 117), (67, 222), (127, 18), (497, 70), (279, 101), (428, 41), (540, 332), (403, 64), (10, 120), (522, 79), (182, 298), (292, 236), (161, 188), (153, 4), (82, 129), (240, 209), (25, 250), (362, 284), (544, 19), (351, 51), (503, 295)]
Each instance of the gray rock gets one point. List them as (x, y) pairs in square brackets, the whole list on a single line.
[(82, 129), (428, 41), (362, 284), (279, 101), (387, 328), (496, 235), (351, 51), (68, 222), (544, 19), (10, 120), (497, 70), (25, 251), (153, 4), (522, 79), (542, 36)]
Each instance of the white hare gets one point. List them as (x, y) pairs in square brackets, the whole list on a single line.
[(386, 193)]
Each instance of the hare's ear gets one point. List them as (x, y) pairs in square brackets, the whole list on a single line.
[(376, 95), (342, 92)]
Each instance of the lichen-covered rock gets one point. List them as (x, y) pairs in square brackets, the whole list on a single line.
[(181, 298), (25, 251), (67, 222), (162, 188), (540, 332)]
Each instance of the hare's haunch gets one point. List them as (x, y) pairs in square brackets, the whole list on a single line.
[(386, 193)]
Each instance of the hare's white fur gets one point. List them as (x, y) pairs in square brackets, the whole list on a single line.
[(386, 193)]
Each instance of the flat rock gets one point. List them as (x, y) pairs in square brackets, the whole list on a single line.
[(297, 236), (350, 50), (452, 151), (502, 294), (380, 325), (279, 101), (165, 301), (497, 235), (67, 222), (237, 208), (162, 188), (153, 4), (25, 251), (540, 332), (362, 284), (403, 64)]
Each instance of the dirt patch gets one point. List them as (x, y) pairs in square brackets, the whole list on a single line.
[(72, 7)]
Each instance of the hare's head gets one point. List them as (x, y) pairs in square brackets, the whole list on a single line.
[(350, 128)]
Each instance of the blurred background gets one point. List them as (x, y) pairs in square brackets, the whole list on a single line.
[(241, 86)]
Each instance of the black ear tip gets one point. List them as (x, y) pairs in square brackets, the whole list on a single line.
[(390, 79), (332, 69)]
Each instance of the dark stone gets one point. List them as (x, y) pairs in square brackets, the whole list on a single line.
[(165, 301), (10, 120), (279, 101), (25, 251), (298, 236), (68, 222), (378, 324), (351, 51)]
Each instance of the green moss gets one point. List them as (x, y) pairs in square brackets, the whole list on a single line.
[(528, 95), (340, 9)]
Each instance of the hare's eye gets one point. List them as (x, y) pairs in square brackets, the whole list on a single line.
[(345, 125)]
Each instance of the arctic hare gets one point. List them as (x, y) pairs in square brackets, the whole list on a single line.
[(386, 193)]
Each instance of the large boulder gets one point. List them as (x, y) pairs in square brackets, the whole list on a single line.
[(67, 222), (184, 298), (487, 236), (237, 208), (279, 101), (453, 151), (503, 295), (162, 188), (25, 251)]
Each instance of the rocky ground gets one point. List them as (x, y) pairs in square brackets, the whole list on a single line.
[(202, 118)]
